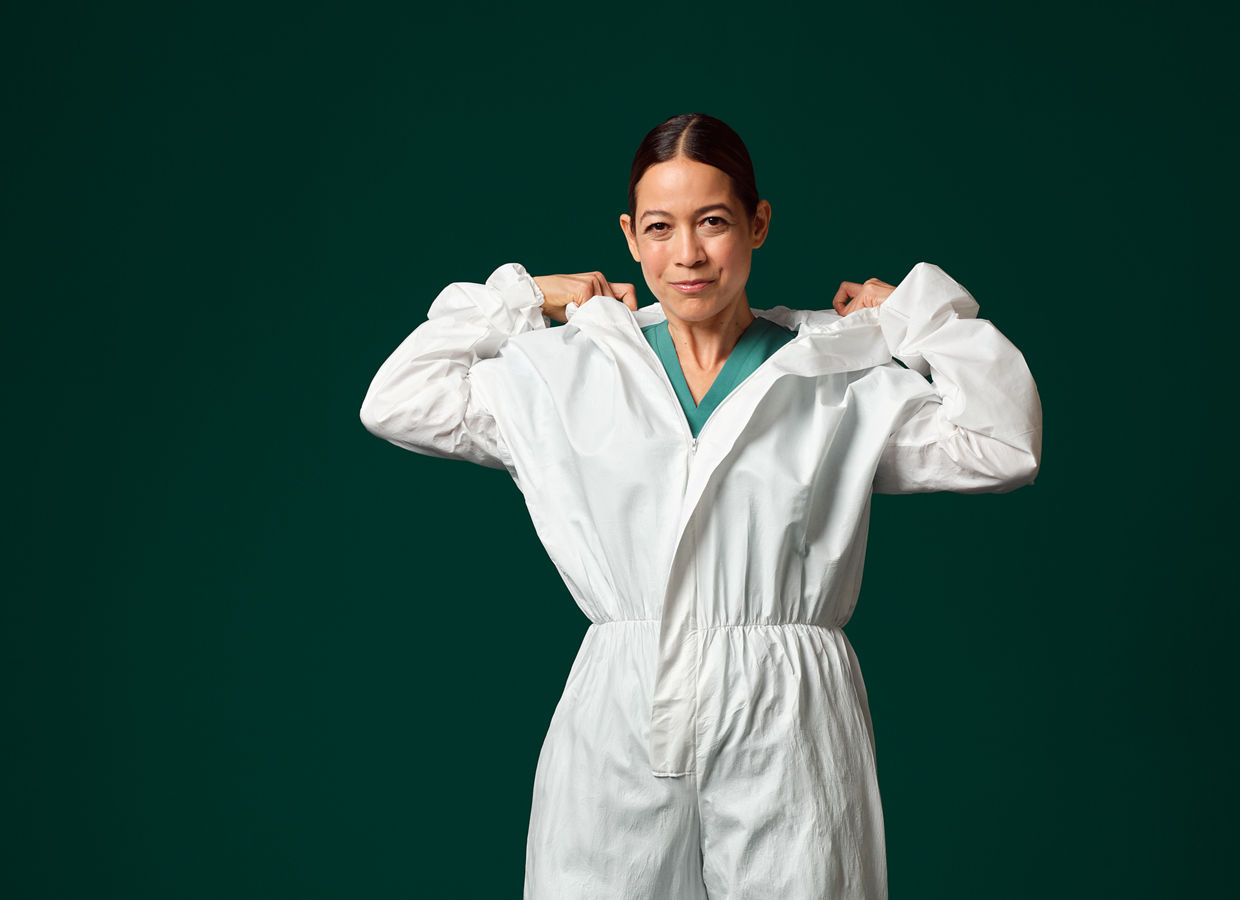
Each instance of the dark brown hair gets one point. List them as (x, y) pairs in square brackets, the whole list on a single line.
[(703, 139)]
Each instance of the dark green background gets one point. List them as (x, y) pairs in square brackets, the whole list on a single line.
[(253, 651)]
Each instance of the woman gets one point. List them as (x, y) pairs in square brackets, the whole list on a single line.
[(714, 738)]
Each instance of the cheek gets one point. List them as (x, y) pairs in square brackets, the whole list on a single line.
[(650, 271), (654, 256), (731, 255)]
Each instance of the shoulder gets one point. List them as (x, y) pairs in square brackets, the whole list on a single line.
[(797, 320), (557, 345)]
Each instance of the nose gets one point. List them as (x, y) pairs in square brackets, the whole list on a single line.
[(689, 252)]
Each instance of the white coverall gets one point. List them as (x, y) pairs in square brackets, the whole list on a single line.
[(714, 738)]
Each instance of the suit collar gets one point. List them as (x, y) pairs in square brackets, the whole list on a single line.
[(825, 341)]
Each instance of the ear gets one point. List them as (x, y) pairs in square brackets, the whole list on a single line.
[(761, 224), (625, 219)]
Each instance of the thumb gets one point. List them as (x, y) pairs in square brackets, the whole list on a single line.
[(626, 294), (843, 297)]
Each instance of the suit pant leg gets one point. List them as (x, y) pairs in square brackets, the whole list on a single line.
[(602, 826)]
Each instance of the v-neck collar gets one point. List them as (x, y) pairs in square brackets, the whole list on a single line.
[(739, 360), (717, 386), (824, 343)]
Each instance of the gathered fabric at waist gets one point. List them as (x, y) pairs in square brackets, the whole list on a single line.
[(654, 623), (621, 661)]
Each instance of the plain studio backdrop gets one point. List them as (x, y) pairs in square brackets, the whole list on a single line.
[(253, 651)]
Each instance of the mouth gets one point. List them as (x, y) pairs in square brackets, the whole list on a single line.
[(692, 287)]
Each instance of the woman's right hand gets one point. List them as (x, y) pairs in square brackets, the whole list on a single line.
[(560, 290)]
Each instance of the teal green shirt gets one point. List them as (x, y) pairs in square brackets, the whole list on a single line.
[(762, 338)]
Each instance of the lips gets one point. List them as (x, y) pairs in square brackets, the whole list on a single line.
[(692, 287)]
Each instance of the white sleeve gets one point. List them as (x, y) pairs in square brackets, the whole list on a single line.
[(421, 397), (984, 432)]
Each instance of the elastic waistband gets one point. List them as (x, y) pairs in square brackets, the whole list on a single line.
[(725, 625)]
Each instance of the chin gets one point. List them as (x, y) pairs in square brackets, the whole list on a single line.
[(692, 310)]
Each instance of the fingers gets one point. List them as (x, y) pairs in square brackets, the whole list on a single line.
[(595, 284), (852, 296), (848, 290), (561, 290), (600, 285), (626, 294)]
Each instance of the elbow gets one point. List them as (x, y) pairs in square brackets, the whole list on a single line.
[(993, 465), (370, 421), (1021, 463), (416, 424), (1019, 476), (378, 418), (1033, 454), (400, 406)]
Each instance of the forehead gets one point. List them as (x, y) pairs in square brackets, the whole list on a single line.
[(682, 183)]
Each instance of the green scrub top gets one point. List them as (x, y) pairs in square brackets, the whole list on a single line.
[(758, 341)]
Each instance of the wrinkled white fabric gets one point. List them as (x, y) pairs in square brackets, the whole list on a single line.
[(714, 738)]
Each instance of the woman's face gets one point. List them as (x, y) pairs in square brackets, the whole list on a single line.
[(693, 239)]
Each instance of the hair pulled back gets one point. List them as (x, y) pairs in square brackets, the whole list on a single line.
[(703, 139)]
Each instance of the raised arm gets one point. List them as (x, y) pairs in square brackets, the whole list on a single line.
[(984, 432), (421, 398)]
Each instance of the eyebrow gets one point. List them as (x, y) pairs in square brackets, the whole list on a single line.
[(697, 212)]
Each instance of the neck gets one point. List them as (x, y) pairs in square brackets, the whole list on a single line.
[(706, 343)]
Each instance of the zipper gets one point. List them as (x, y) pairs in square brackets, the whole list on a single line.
[(732, 392), (662, 374)]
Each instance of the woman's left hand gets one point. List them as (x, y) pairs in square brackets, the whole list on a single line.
[(852, 296)]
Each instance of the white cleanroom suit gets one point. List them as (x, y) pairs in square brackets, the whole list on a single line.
[(713, 738)]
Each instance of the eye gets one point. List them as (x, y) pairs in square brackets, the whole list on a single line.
[(656, 227), (715, 222)]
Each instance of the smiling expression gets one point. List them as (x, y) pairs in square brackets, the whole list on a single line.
[(694, 239)]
